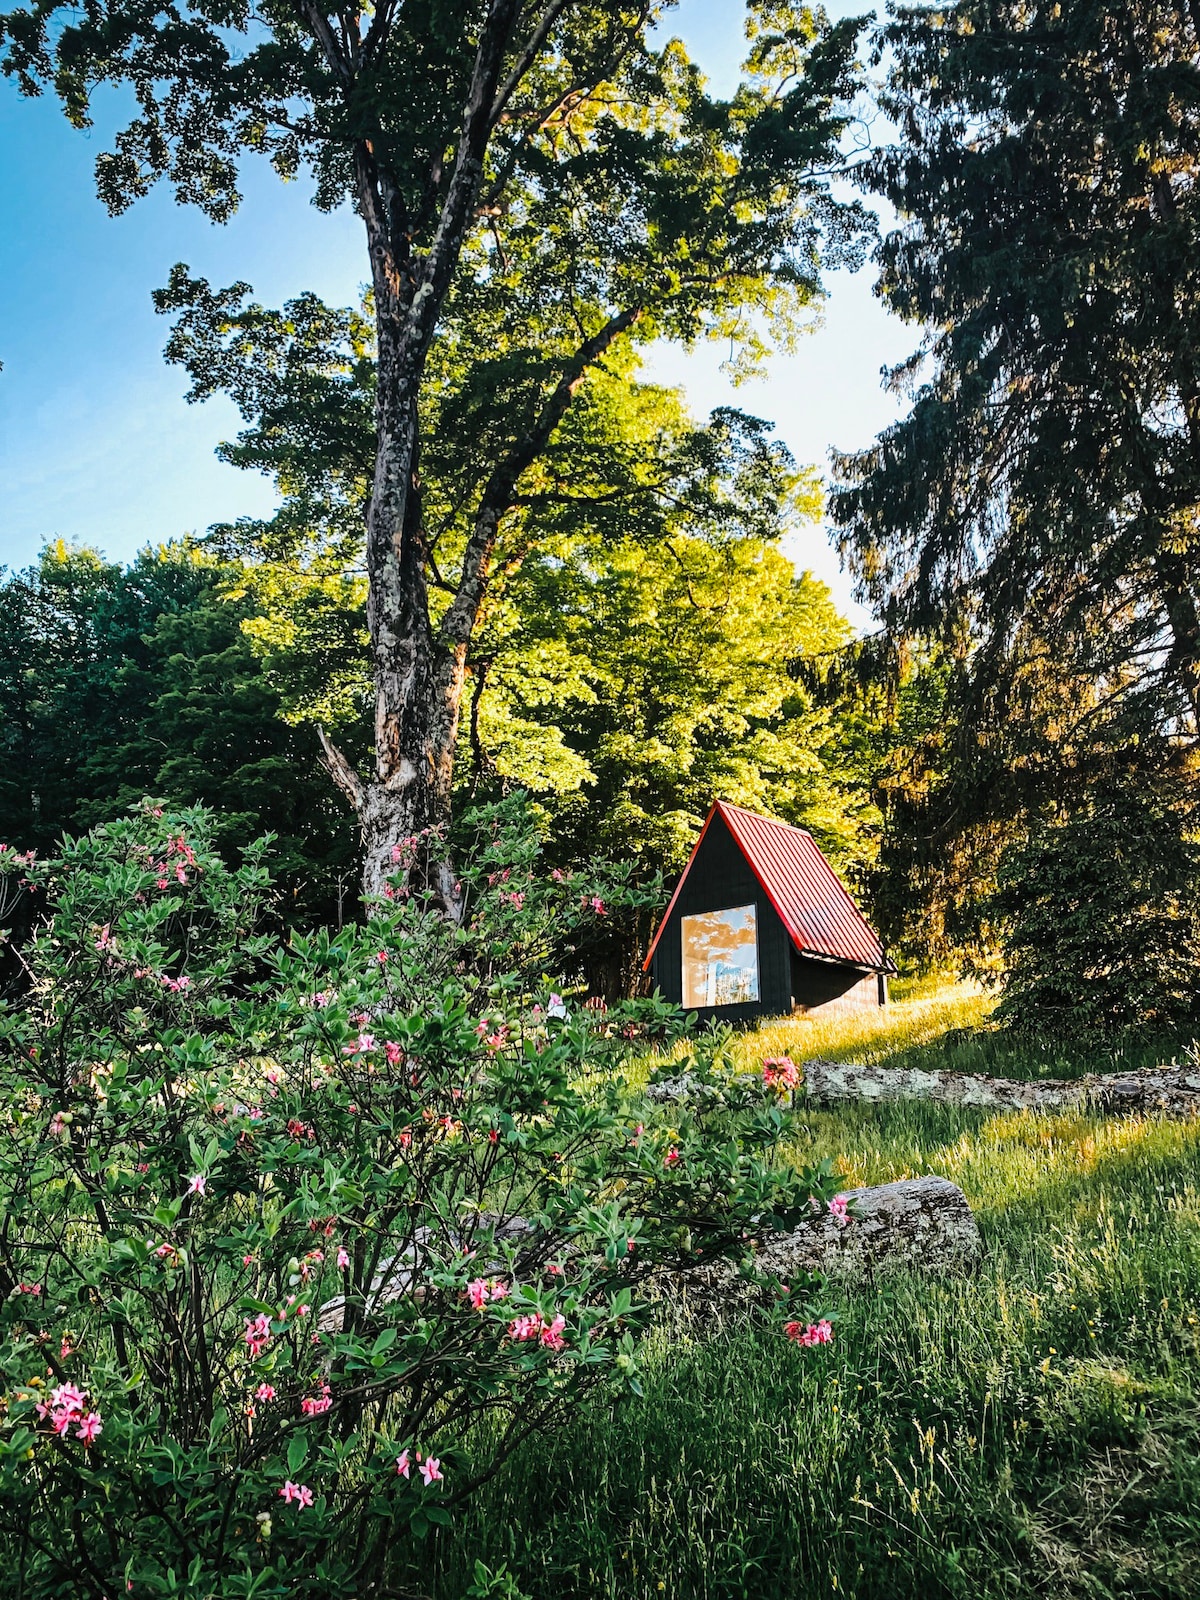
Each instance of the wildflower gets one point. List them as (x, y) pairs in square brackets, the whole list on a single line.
[(302, 1310), (431, 1470), (57, 1126), (781, 1074), (813, 1334), (552, 1335), (161, 883), (257, 1335), (393, 1052), (477, 1293), (598, 906), (247, 1260), (106, 939), (381, 956), (343, 1258), (196, 1185), (558, 875), (500, 1290), (66, 1348), (299, 1493), (402, 1464), (29, 1288), (265, 1391), (557, 1006), (630, 1246), (67, 1397), (314, 1405), (493, 1135), (164, 1250), (671, 1159), (89, 1429), (177, 985), (839, 1210)]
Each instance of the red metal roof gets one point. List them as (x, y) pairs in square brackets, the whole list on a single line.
[(813, 906)]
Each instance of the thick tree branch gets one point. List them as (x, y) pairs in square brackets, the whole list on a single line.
[(343, 774), (527, 55), (498, 495), (468, 169)]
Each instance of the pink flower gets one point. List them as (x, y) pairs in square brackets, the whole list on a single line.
[(671, 1159), (813, 1334), (431, 1470), (246, 1260), (177, 985), (314, 1405), (557, 1006), (257, 1334), (552, 1335), (381, 956), (57, 1126), (554, 1270), (500, 1290), (106, 939), (302, 1310), (67, 1397), (29, 1288), (630, 1246), (839, 1210), (165, 1250), (393, 1052), (196, 1185), (300, 1493), (402, 1464), (161, 883), (477, 1293), (66, 1348), (265, 1391), (343, 1258), (598, 906), (781, 1074), (89, 1429)]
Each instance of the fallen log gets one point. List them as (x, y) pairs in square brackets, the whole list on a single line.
[(1169, 1091), (914, 1225)]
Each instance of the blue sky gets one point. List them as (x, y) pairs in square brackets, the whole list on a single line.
[(96, 442)]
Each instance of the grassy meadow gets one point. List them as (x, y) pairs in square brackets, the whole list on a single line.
[(1032, 1431)]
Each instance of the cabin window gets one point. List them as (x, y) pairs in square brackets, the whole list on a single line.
[(720, 957)]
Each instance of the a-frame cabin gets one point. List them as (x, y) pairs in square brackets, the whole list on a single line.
[(760, 925)]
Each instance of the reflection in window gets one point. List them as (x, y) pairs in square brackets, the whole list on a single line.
[(720, 957)]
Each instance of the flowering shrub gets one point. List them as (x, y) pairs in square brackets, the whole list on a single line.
[(299, 1239)]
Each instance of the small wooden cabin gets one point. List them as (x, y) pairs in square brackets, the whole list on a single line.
[(760, 925)]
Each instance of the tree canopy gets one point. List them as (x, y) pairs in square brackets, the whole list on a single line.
[(541, 186)]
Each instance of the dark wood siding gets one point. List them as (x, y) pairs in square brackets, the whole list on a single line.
[(721, 878), (831, 985)]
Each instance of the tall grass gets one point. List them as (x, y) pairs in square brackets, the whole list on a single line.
[(1032, 1431)]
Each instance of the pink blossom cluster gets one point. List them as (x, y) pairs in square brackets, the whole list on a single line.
[(430, 1468), (257, 1334), (481, 1290), (177, 985), (314, 1405), (65, 1409), (781, 1074), (300, 1493), (809, 1334), (535, 1326), (839, 1210)]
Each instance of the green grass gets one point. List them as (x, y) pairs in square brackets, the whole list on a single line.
[(1034, 1431)]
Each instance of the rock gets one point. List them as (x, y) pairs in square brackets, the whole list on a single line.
[(914, 1225), (1174, 1091)]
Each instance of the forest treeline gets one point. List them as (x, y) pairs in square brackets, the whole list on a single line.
[(577, 589)]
